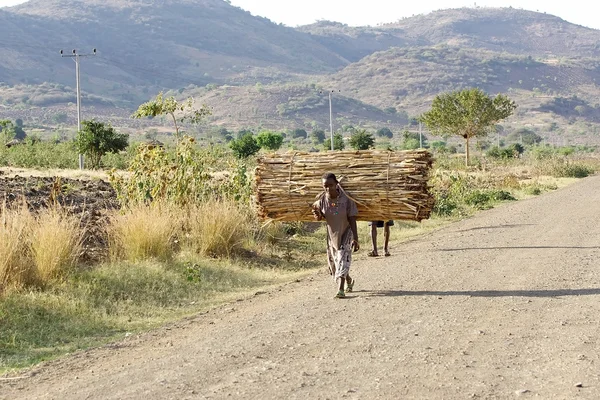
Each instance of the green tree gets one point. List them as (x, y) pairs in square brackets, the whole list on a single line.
[(338, 142), (96, 139), (245, 146), (7, 130), (361, 140), (385, 132), (269, 140), (299, 133), (243, 132), (525, 136), (178, 111), (317, 136), (412, 140), (467, 113)]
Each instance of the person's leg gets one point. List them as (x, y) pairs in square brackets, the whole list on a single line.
[(374, 237), (386, 240), (343, 260)]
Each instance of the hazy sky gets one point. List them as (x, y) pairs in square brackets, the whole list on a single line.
[(372, 12)]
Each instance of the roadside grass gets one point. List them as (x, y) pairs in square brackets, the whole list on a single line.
[(106, 303)]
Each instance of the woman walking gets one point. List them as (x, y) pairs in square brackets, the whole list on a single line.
[(339, 212)]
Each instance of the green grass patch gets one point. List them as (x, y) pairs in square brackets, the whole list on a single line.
[(104, 303)]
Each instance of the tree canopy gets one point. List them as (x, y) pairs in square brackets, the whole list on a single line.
[(96, 139), (338, 142), (467, 113), (269, 140), (179, 111), (361, 140)]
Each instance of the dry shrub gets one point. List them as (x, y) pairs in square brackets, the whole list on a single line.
[(55, 239), (16, 269), (217, 228), (142, 232)]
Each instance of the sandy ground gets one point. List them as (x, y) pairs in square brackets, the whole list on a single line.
[(499, 306)]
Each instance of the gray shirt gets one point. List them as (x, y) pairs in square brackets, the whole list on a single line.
[(336, 212)]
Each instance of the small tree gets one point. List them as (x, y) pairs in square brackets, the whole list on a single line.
[(412, 140), (299, 133), (385, 132), (269, 140), (338, 142), (361, 140), (96, 139), (467, 113), (317, 136), (245, 146), (179, 111)]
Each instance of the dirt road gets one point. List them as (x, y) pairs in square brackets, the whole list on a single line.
[(502, 305)]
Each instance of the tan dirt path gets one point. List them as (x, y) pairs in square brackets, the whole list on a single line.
[(502, 305)]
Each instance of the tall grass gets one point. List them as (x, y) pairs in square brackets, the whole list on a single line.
[(143, 232), (15, 267), (217, 228), (55, 239)]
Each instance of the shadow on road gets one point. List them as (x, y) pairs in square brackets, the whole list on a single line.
[(519, 248), (495, 227), (483, 293)]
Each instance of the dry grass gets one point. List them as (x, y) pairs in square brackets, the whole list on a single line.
[(16, 269), (55, 239), (217, 229), (143, 232)]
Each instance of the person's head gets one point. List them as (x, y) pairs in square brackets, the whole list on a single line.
[(330, 183)]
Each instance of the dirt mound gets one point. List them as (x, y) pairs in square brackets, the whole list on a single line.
[(90, 199)]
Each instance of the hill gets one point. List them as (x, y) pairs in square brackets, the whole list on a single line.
[(497, 29), (149, 44), (257, 73)]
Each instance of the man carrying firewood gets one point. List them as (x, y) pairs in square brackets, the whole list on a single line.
[(339, 212)]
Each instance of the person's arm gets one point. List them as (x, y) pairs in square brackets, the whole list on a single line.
[(316, 210), (354, 229)]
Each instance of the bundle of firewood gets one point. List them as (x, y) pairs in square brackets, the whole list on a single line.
[(384, 184)]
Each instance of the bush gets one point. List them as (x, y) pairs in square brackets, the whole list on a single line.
[(216, 228), (361, 140), (55, 239), (245, 146), (142, 232), (338, 142), (16, 270), (269, 140)]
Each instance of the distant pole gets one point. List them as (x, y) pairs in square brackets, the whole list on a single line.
[(331, 120), (76, 56), (420, 135)]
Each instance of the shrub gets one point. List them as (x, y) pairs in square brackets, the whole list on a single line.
[(245, 146), (361, 140), (15, 267), (338, 142), (55, 239), (269, 140), (142, 232), (216, 228)]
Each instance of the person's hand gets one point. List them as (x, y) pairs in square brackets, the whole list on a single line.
[(317, 214), (355, 245)]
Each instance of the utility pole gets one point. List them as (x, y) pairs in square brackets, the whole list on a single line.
[(330, 121), (330, 117), (75, 57)]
